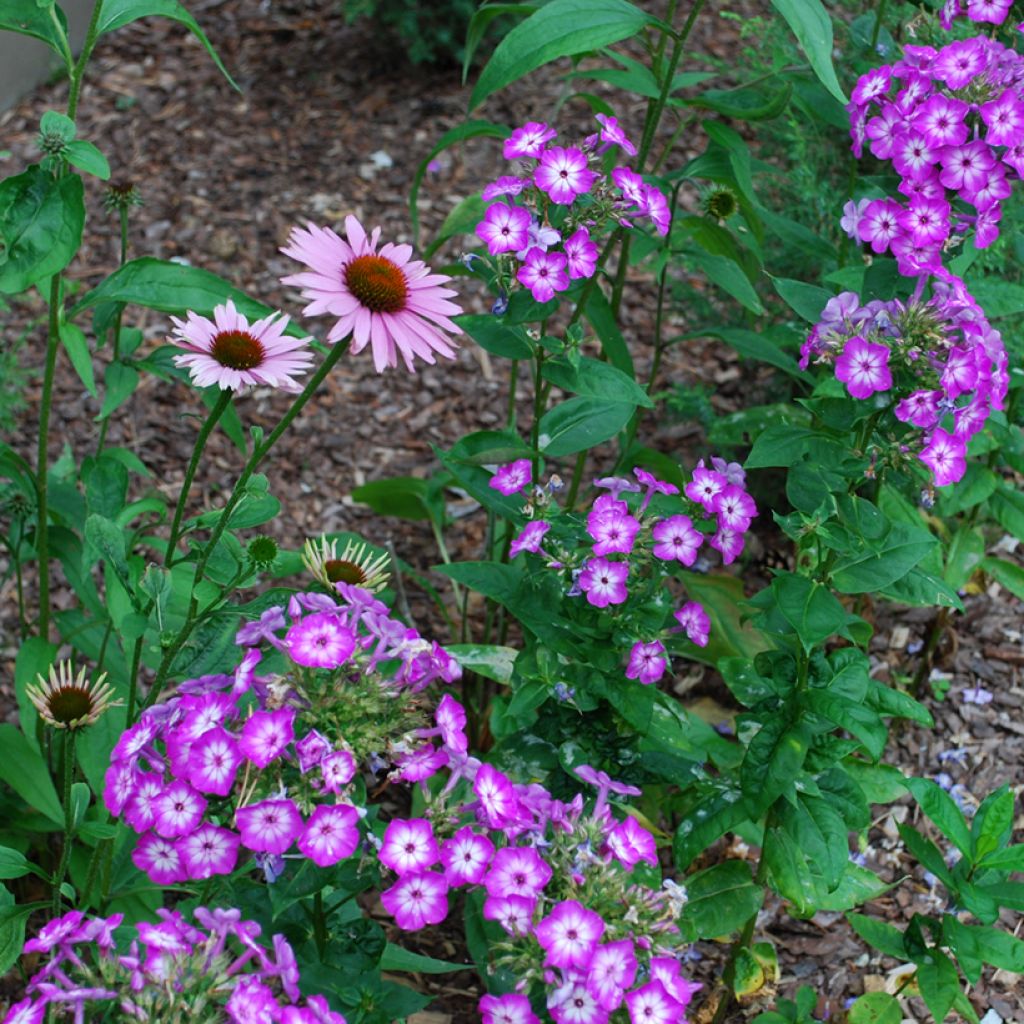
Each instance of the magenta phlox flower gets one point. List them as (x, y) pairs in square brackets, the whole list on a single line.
[(926, 221), (676, 538), (883, 129), (178, 810), (612, 971), (28, 1011), (1004, 119), (320, 640), (871, 86), (466, 857), (270, 826), (969, 419), (421, 764), (528, 141), (563, 174), (331, 834), (504, 228), (497, 797), (651, 1004), (967, 167), (666, 970), (530, 538), (245, 674), (604, 582), (647, 662), (266, 734), (942, 120), (946, 456), (517, 871), (204, 713), (705, 486), (572, 1003), (612, 532), (734, 507), (159, 858), (409, 846), (655, 206), (992, 11), (231, 353), (994, 188), (569, 935), (338, 770), (613, 135), (958, 63), (55, 932), (729, 543), (506, 185), (513, 477), (605, 783), (214, 761), (581, 254), (513, 913), (538, 236), (262, 630), (508, 1009), (209, 851), (544, 274), (311, 750), (695, 622), (921, 408), (631, 843), (880, 223), (864, 367), (134, 741), (417, 899), (450, 716), (960, 374), (139, 811)]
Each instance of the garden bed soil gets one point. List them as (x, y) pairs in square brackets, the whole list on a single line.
[(330, 121)]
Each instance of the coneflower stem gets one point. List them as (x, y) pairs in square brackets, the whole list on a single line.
[(69, 821)]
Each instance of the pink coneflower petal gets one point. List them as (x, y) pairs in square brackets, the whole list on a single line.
[(384, 299)]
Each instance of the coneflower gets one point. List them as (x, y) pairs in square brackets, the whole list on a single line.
[(67, 701)]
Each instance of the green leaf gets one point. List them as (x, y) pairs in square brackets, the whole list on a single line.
[(1007, 574), (580, 423), (788, 871), (856, 719), (29, 19), (879, 935), (807, 300), (992, 825), (812, 26), (25, 771), (117, 13), (943, 811), (600, 316), (397, 958), (929, 855), (461, 220), (406, 497), (721, 900), (938, 981), (498, 338), (757, 346), (774, 758), (41, 220), (478, 26), (730, 277), (783, 444), (922, 590), (561, 28), (876, 1008), (712, 814), (857, 886), (1010, 859), (14, 864), (488, 660), (77, 348), (795, 606), (86, 157), (53, 123), (106, 538), (593, 378), (884, 562), (744, 103), (963, 556)]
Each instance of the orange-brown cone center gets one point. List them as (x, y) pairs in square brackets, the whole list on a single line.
[(237, 350), (69, 704), (340, 571), (377, 283)]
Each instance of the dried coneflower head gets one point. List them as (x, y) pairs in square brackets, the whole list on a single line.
[(355, 565), (67, 701)]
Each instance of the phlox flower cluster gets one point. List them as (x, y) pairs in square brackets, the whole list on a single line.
[(540, 227), (243, 762), (991, 12), (627, 546), (171, 972), (939, 357), (951, 123), (584, 936)]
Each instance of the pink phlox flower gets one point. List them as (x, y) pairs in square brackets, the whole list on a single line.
[(159, 858), (530, 538), (508, 1009), (729, 543), (338, 770), (734, 507), (409, 846), (631, 185), (497, 797), (466, 857), (986, 227), (853, 213), (991, 11), (544, 274), (581, 254), (616, 485), (880, 223), (209, 851), (233, 354), (572, 1003), (612, 971), (1004, 118), (528, 141), (733, 472), (320, 640), (266, 734), (331, 834), (55, 932), (563, 174), (423, 763), (631, 843), (604, 782), (177, 810), (705, 486), (569, 935), (270, 826), (695, 622), (647, 662), (995, 188), (417, 899), (958, 63), (28, 1011), (943, 120), (134, 741), (517, 871), (921, 408), (513, 913), (651, 1004), (384, 299), (450, 716), (245, 673), (966, 167), (506, 185), (214, 761), (311, 750), (864, 367), (926, 220), (656, 207), (139, 811), (252, 1002), (871, 86), (263, 629), (676, 538), (946, 456), (612, 532), (613, 135), (912, 154), (606, 503), (513, 477), (504, 228), (538, 236), (205, 713), (666, 970), (883, 129), (960, 373), (969, 419), (604, 582)]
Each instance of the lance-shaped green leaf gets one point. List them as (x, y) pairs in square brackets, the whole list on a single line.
[(812, 26)]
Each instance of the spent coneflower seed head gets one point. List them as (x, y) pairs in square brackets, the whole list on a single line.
[(721, 203), (355, 565), (67, 701), (262, 552)]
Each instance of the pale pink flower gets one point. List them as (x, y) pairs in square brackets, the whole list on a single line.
[(676, 538), (409, 846), (581, 254), (604, 582), (569, 935), (209, 851), (544, 274), (632, 843), (384, 299), (647, 662), (612, 971), (230, 353), (508, 1009), (266, 734), (338, 769), (270, 826), (528, 141), (331, 834), (320, 640), (416, 900), (513, 913), (466, 857), (563, 174), (517, 871), (513, 477), (652, 1004)]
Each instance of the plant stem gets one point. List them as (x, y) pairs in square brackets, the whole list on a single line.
[(78, 73), (513, 382), (69, 824), (319, 924), (123, 217), (879, 16), (223, 401)]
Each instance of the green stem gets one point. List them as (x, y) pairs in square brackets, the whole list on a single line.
[(62, 37), (538, 409), (223, 401), (319, 925), (43, 456), (577, 477), (879, 16), (78, 72), (123, 216), (513, 382), (69, 824)]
